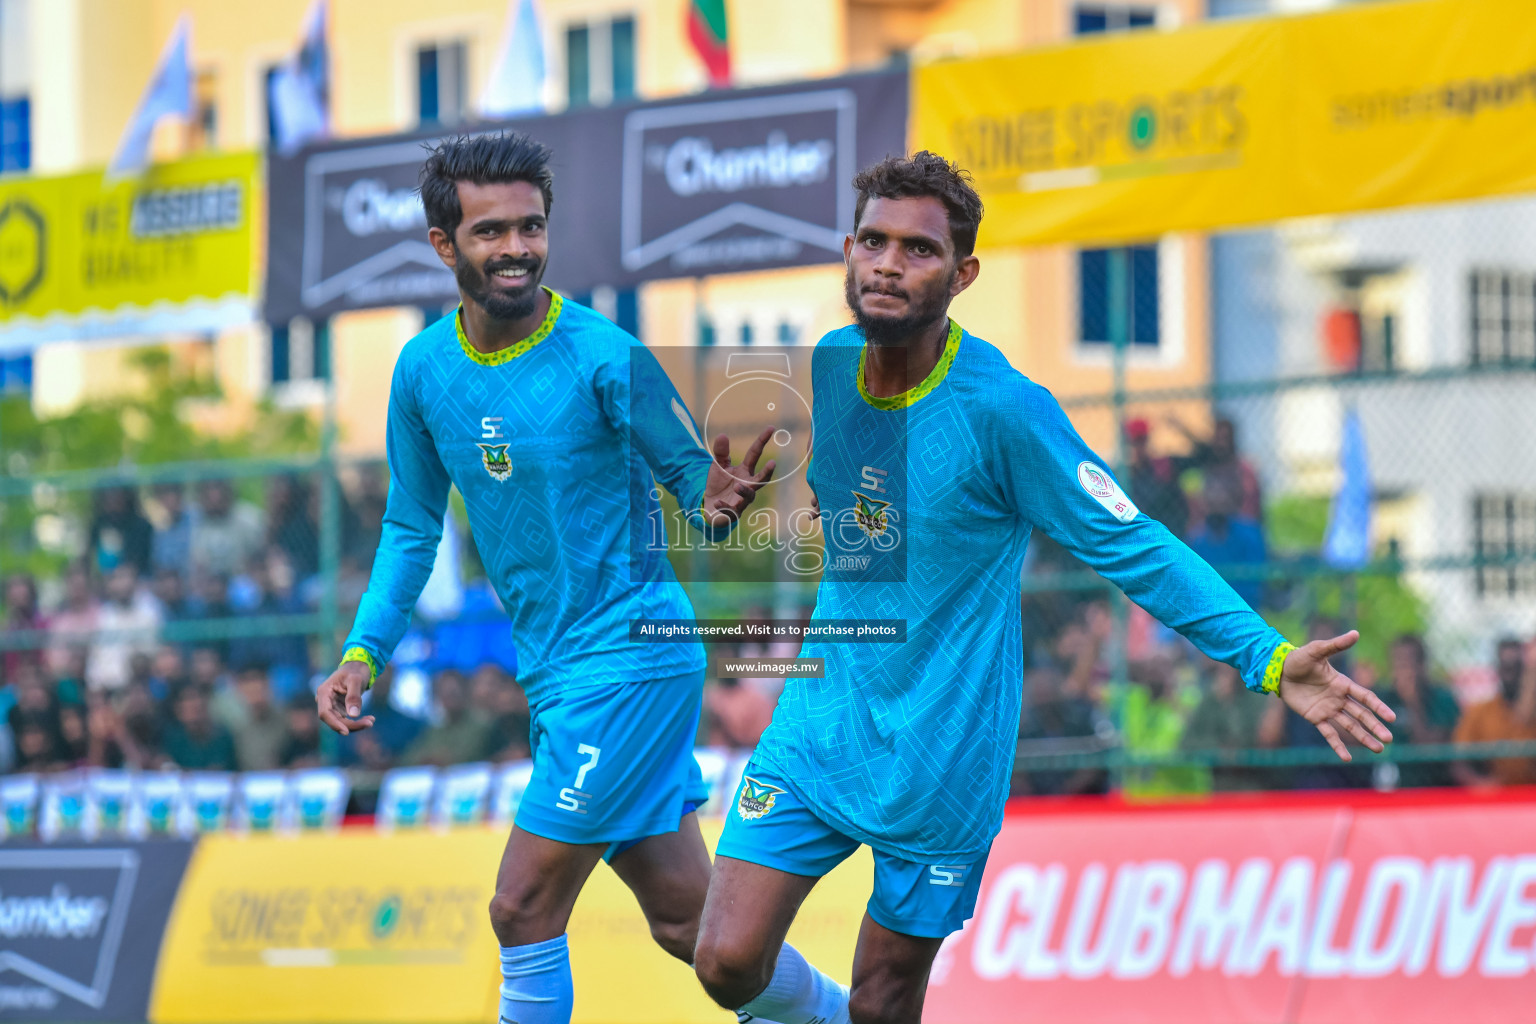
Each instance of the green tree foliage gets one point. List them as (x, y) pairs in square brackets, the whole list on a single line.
[(108, 440), (1376, 600)]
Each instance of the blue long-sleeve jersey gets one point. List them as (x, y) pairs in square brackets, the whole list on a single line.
[(553, 443), (928, 500)]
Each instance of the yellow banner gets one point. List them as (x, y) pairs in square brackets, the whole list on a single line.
[(1224, 124), (361, 928), (172, 250)]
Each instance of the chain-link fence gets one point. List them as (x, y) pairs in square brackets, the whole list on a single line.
[(126, 587), (1338, 414), (1362, 458)]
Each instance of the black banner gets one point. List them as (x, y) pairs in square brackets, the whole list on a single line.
[(718, 183), (80, 927)]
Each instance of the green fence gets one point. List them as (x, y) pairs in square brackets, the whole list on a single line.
[(1419, 327)]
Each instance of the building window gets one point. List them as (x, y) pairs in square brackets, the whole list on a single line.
[(266, 91), (432, 314), (1360, 333), (203, 130), (15, 134), (623, 52), (15, 87), (1141, 295), (281, 347), (578, 66), (1503, 317), (600, 62), (1504, 534), (1093, 19), (301, 350), (621, 305), (440, 83), (1093, 264), (16, 375)]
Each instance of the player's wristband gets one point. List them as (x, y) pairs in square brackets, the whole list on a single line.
[(1276, 665), (358, 654)]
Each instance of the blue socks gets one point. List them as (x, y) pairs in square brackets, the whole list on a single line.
[(536, 983), (799, 994)]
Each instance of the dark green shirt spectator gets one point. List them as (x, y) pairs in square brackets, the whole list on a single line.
[(1227, 718), (194, 740), (461, 734), (210, 750)]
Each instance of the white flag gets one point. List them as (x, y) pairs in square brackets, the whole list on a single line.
[(299, 95), (517, 81), (169, 95)]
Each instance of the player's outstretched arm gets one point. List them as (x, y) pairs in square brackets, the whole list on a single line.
[(340, 698), (641, 401), (728, 489), (1330, 700), (1064, 489)]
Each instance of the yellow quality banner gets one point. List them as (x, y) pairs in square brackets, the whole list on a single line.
[(363, 928), (173, 250), (1225, 124)]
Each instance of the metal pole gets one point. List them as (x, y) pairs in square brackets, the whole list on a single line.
[(330, 529), (1119, 338), (698, 559)]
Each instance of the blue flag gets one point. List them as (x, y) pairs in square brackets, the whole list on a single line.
[(169, 95), (517, 82), (1347, 544), (300, 89)]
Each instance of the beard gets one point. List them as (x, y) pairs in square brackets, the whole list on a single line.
[(500, 303), (922, 311)]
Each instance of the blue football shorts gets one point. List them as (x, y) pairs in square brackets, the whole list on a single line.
[(768, 824), (614, 764)]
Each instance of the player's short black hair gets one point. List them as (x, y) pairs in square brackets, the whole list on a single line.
[(925, 174), (493, 159)]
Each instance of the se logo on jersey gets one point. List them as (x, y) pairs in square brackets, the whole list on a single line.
[(497, 463), (1105, 491), (756, 798)]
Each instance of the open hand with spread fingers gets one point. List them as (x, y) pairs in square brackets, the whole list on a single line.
[(730, 489), (1332, 701)]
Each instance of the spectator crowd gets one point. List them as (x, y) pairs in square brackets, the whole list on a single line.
[(1175, 701), (133, 656)]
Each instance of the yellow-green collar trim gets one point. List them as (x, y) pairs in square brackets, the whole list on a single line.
[(511, 352), (934, 379), (1276, 665)]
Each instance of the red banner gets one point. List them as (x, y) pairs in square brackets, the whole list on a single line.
[(1293, 912)]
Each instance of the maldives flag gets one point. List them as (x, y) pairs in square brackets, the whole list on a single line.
[(707, 31)]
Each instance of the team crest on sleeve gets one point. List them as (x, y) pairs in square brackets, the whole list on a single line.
[(1105, 491), (870, 514), (756, 798), (497, 462)]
